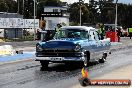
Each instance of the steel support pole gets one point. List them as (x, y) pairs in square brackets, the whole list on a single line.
[(116, 20), (34, 21), (80, 16)]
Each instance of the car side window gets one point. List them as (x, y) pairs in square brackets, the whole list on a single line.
[(96, 36), (91, 35), (85, 35)]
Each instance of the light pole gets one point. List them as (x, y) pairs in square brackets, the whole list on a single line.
[(80, 16), (36, 8), (18, 6), (23, 20), (116, 19), (23, 8), (116, 15), (34, 21), (80, 2)]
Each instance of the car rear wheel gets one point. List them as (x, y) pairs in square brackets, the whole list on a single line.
[(44, 64), (103, 59)]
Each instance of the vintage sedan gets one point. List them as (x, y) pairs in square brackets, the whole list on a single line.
[(73, 44)]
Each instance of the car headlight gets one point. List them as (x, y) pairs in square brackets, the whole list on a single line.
[(77, 47), (39, 48)]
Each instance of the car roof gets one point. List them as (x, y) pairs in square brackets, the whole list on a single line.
[(78, 27)]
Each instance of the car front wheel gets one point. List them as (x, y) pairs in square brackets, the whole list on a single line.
[(86, 58), (44, 64)]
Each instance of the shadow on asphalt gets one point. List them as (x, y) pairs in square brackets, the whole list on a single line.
[(66, 67)]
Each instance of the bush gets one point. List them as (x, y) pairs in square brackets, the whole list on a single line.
[(74, 24)]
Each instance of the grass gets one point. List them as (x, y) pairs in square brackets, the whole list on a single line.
[(24, 38)]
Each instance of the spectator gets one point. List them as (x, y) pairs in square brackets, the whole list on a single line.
[(130, 32), (38, 34), (100, 30), (124, 32), (49, 35), (118, 34), (57, 29), (6, 34)]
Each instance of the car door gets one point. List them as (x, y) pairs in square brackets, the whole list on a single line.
[(95, 44), (98, 42)]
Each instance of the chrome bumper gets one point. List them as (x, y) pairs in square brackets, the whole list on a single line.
[(53, 59)]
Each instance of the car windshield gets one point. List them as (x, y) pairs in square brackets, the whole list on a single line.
[(71, 33)]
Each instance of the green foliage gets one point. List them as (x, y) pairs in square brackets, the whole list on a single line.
[(52, 2), (42, 3), (75, 12), (8, 6), (102, 11), (108, 13), (74, 24), (28, 8)]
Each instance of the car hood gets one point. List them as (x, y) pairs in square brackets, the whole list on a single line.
[(64, 43)]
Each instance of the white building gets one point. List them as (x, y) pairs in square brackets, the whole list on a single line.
[(54, 15), (10, 32)]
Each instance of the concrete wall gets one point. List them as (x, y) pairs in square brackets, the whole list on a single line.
[(13, 33), (2, 33)]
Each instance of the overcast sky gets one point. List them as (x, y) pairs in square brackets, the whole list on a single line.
[(121, 1), (125, 1)]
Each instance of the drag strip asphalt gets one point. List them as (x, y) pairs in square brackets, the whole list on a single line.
[(29, 74)]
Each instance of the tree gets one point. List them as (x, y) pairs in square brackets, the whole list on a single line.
[(122, 14), (42, 3), (28, 9), (94, 14), (108, 13), (52, 3), (8, 6), (75, 12)]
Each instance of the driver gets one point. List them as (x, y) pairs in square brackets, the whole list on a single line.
[(77, 34), (74, 35)]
